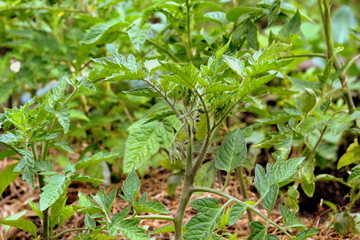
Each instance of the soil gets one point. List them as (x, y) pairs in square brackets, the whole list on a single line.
[(17, 196)]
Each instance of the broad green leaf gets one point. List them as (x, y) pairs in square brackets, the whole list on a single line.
[(252, 35), (105, 201), (36, 208), (117, 219), (206, 175), (77, 114), (232, 152), (187, 75), (354, 177), (282, 170), (271, 52), (274, 11), (235, 13), (97, 32), (83, 82), (292, 26), (131, 187), (144, 141), (352, 155), (258, 231), (268, 65), (271, 197), (143, 91), (89, 179), (130, 229), (89, 222), (308, 101), (290, 219), (202, 224), (7, 176), (138, 34), (261, 181), (236, 213), (14, 216), (11, 138), (54, 188), (63, 117), (235, 64), (7, 153), (164, 229), (64, 146), (307, 233), (22, 224), (342, 21), (152, 65), (152, 207), (87, 161)]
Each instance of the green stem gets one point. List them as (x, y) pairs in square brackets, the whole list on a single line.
[(244, 193), (326, 17), (172, 56), (227, 179), (228, 196), (305, 55), (68, 230), (45, 213), (188, 29), (157, 217)]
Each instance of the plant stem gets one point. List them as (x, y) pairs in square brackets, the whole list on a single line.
[(227, 179), (190, 173), (240, 177), (45, 213), (305, 55), (188, 29), (172, 56), (325, 13), (68, 230), (158, 217), (228, 196)]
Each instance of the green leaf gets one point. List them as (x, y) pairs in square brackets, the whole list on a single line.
[(63, 117), (282, 170), (235, 64), (202, 224), (354, 176), (89, 222), (252, 35), (235, 13), (258, 231), (99, 31), (271, 197), (131, 187), (87, 161), (289, 218), (292, 26), (143, 91), (164, 229), (152, 207), (104, 201), (206, 175), (186, 76), (144, 141), (236, 213), (307, 233), (232, 152), (77, 114), (274, 11), (130, 229), (342, 20), (138, 34), (36, 208), (6, 89), (308, 101), (22, 224), (54, 188), (11, 138), (89, 179), (7, 176), (64, 146), (14, 216), (117, 219), (352, 155)]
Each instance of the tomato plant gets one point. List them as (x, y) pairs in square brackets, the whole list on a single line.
[(173, 84)]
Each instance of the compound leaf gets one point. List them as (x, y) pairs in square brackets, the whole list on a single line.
[(87, 161), (131, 187), (55, 186)]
